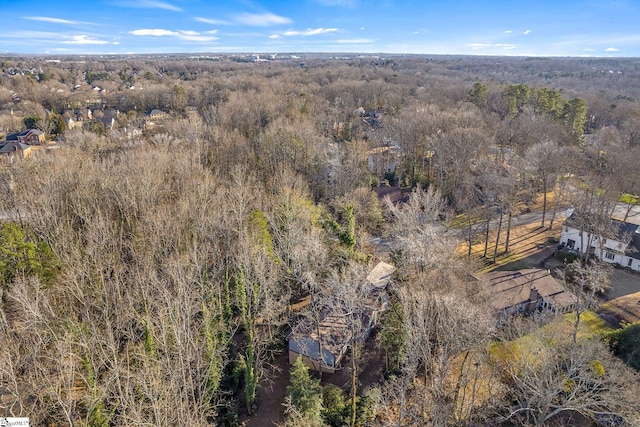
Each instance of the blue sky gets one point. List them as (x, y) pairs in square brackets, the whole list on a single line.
[(475, 27)]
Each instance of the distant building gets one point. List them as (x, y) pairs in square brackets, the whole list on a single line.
[(620, 244), (13, 150), (525, 292), (29, 136)]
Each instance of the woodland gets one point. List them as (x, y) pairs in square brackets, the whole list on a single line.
[(148, 267)]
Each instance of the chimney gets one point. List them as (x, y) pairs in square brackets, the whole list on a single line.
[(534, 295)]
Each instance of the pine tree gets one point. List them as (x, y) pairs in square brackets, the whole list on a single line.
[(305, 393)]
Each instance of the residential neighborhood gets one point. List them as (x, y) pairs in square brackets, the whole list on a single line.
[(360, 240)]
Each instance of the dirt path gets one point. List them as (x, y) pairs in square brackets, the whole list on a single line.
[(271, 394)]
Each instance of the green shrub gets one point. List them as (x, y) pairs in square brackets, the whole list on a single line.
[(625, 344)]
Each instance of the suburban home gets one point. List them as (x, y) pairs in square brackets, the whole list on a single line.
[(76, 116), (620, 243), (385, 159), (396, 195), (525, 292), (155, 114), (71, 123), (15, 150), (322, 342), (29, 136), (331, 335), (153, 118)]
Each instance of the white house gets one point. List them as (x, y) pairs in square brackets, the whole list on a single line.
[(620, 245)]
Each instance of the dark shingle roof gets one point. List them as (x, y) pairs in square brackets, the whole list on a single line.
[(12, 146), (622, 231)]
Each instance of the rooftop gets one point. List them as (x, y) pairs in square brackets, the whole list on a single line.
[(510, 288)]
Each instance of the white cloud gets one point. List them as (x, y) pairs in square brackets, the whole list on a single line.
[(526, 32), (193, 36), (157, 32), (53, 20), (343, 3), (82, 39), (310, 32), (35, 35), (262, 19), (152, 4), (354, 41), (212, 21), (480, 46), (148, 4), (275, 36), (611, 49), (211, 32), (508, 31)]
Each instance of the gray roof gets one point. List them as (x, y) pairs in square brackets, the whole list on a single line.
[(14, 136), (12, 146), (621, 231)]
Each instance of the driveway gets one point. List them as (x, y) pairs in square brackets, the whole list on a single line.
[(623, 282)]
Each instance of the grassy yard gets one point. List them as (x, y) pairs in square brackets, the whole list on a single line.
[(528, 245), (630, 199)]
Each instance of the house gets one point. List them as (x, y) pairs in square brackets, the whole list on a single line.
[(525, 292), (322, 342), (81, 114), (385, 159), (396, 195), (620, 243), (371, 117), (71, 123), (29, 136), (153, 117), (330, 336), (155, 114), (15, 150)]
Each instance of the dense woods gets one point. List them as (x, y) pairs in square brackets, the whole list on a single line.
[(149, 265)]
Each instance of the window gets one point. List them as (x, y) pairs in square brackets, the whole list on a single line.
[(604, 241), (610, 256), (571, 243), (630, 262)]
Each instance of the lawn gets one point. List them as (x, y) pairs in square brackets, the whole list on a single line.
[(630, 199)]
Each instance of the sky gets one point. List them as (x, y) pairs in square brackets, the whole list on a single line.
[(608, 28)]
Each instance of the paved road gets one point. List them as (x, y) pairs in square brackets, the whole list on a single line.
[(633, 216), (384, 245)]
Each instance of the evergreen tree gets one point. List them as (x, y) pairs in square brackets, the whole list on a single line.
[(305, 393)]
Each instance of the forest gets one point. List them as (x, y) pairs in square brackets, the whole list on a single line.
[(181, 216)]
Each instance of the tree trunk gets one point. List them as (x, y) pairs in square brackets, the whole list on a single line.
[(486, 237), (553, 214), (470, 231), (506, 246), (495, 250), (354, 384), (544, 198)]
